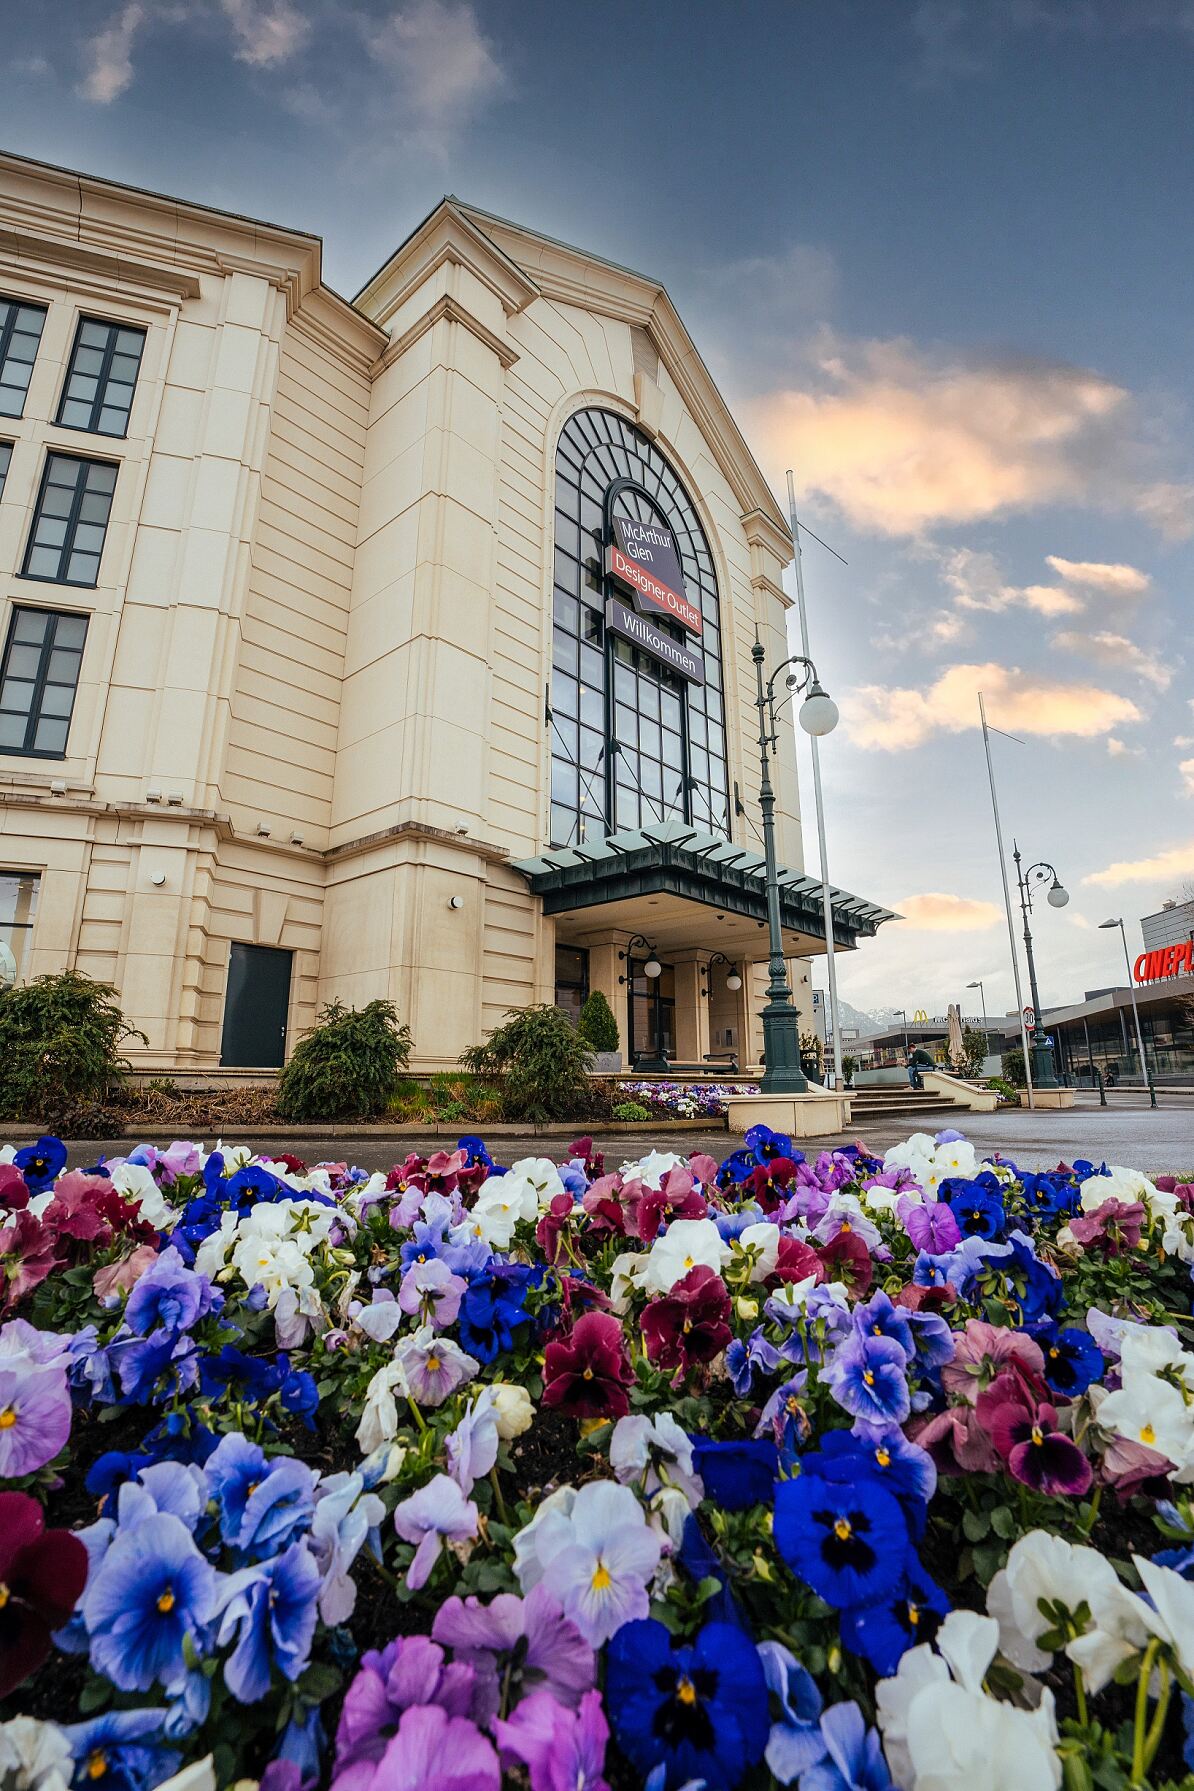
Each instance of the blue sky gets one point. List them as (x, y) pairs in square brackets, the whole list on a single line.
[(937, 256)]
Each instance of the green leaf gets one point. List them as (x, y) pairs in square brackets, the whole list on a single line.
[(321, 1680), (94, 1695), (1003, 1522), (976, 1525)]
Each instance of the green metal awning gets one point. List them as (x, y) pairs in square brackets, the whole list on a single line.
[(663, 879)]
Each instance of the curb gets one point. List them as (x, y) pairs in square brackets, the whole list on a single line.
[(383, 1134)]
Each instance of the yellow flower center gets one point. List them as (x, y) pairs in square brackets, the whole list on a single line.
[(587, 1375), (842, 1530), (793, 1404), (166, 1601), (1054, 1352), (845, 1225), (913, 1614), (97, 1764), (883, 1456), (1038, 1435), (601, 1581), (688, 1262), (8, 1417), (5, 1595), (1147, 1434), (868, 1377), (686, 1691), (433, 1364)]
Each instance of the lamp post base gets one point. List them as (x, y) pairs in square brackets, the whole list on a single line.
[(782, 1073), (1043, 1075), (817, 1114)]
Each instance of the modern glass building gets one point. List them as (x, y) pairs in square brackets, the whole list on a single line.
[(395, 647)]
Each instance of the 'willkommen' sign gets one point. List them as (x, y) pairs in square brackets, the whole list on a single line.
[(653, 640), (643, 555)]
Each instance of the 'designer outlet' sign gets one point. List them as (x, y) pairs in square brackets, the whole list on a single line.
[(643, 555), (1168, 960)]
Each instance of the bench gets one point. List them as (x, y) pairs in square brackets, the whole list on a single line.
[(714, 1063)]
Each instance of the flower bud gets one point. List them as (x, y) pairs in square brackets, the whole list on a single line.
[(514, 1409)]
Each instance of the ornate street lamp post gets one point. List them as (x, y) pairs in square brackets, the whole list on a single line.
[(818, 715), (1043, 1074)]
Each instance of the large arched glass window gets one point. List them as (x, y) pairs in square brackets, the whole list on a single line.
[(632, 741)]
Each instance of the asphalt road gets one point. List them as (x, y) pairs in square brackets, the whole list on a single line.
[(1128, 1132)]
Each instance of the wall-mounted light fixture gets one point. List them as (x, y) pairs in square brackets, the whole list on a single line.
[(652, 968), (174, 798), (158, 878), (733, 980), (262, 830), (296, 839), (153, 795), (58, 787), (456, 901)]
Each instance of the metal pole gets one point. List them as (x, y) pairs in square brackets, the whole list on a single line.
[(1007, 901), (782, 1073), (1135, 1010), (834, 1023), (1043, 1060)]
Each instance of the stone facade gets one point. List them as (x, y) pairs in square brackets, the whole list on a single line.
[(310, 709)]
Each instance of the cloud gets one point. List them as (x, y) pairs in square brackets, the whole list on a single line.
[(444, 64), (1169, 506), (903, 441), (1186, 773), (1106, 648), (939, 913), (110, 56), (1095, 575), (1119, 749), (266, 31), (1020, 702), (977, 583), (1164, 867)]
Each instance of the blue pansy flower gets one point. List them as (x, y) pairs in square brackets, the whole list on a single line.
[(868, 1378), (881, 1317), (767, 1144), (847, 1540), (883, 1632), (735, 1168), (426, 1241), (271, 1610), (979, 1212), (795, 1741), (1073, 1360), (884, 1453), (262, 1504), (160, 1365), (742, 1358), (152, 1591), (491, 1309), (853, 1755), (115, 1751), (41, 1164), (474, 1151), (698, 1712), (171, 1295), (738, 1473)]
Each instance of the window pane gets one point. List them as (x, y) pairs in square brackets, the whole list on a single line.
[(67, 537), (12, 732), (31, 624), (51, 736), (20, 333), (38, 679), (24, 661), (5, 457), (98, 390), (71, 631)]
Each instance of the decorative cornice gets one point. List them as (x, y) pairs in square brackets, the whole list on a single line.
[(24, 249), (418, 830), (445, 306), (762, 528)]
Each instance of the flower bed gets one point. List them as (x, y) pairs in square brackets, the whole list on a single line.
[(687, 1100), (837, 1474)]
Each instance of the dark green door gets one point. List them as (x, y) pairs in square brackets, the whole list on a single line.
[(255, 1008)]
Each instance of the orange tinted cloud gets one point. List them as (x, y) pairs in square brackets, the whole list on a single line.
[(1164, 867), (1095, 575), (940, 913), (901, 443), (1020, 702), (1106, 648)]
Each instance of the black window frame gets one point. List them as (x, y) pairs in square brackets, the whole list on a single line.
[(98, 404), (6, 448), (73, 520), (42, 679), (7, 332)]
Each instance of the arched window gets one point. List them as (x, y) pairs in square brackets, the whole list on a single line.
[(632, 741)]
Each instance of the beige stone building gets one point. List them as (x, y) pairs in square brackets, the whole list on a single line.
[(315, 685)]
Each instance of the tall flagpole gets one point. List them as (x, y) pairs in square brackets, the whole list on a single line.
[(1007, 900), (827, 905)]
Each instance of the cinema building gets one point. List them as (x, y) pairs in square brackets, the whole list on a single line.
[(394, 648)]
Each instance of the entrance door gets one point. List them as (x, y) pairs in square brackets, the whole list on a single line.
[(255, 1008), (652, 1015)]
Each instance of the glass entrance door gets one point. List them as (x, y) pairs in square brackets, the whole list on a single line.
[(652, 1016)]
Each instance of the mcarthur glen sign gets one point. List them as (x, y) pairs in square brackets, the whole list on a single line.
[(643, 633), (643, 556), (1167, 960)]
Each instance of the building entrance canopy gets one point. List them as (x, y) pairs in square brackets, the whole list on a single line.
[(686, 887)]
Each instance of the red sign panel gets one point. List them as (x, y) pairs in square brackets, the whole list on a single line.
[(1169, 960), (657, 594)]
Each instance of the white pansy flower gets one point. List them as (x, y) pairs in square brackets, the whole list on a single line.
[(1045, 1567), (34, 1756), (956, 1157), (628, 1274), (762, 1238), (541, 1174), (685, 1244), (513, 1408), (651, 1169), (134, 1182), (1173, 1607), (379, 1417)]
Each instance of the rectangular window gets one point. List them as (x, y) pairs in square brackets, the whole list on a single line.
[(18, 906), (572, 980), (102, 375), (5, 458), (38, 680), (20, 333), (73, 506)]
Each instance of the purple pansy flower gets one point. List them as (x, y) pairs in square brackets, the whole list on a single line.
[(436, 1511)]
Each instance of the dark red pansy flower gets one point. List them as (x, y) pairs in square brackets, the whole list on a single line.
[(586, 1374), (795, 1261), (28, 1253), (1116, 1225), (603, 1204), (916, 1298), (677, 1197), (1036, 1452), (592, 1161), (771, 1183), (287, 1158), (847, 1259), (689, 1325), (42, 1576), (411, 1174), (552, 1226), (13, 1192)]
